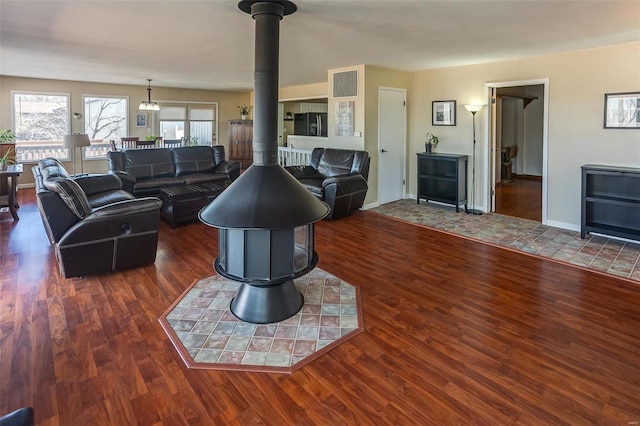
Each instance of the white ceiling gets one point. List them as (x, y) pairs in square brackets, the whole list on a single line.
[(208, 44)]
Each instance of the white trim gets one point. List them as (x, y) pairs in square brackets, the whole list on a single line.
[(545, 141), (303, 98), (564, 225), (370, 206)]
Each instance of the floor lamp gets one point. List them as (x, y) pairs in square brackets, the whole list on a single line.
[(77, 140), (473, 109)]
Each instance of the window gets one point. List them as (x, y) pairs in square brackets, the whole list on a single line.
[(40, 120), (196, 124), (105, 118)]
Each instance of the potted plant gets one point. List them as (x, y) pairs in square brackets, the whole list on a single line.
[(244, 111), (7, 159), (289, 115), (431, 143), (7, 147)]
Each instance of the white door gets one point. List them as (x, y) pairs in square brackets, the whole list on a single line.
[(392, 144)]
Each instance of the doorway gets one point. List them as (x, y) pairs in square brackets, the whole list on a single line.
[(392, 144), (518, 123)]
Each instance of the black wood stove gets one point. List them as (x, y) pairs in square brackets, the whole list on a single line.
[(266, 217)]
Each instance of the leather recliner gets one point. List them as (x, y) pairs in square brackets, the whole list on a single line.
[(336, 176), (93, 224)]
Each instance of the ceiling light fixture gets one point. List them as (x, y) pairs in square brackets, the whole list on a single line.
[(148, 105)]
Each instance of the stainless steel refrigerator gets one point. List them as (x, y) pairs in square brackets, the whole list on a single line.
[(310, 124)]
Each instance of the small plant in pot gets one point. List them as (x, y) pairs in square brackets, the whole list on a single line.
[(7, 148), (7, 159), (431, 143), (244, 110)]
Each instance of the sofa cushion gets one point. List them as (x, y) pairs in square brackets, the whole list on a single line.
[(149, 163), (193, 159), (314, 185), (336, 162), (204, 177), (52, 168), (109, 197), (73, 196)]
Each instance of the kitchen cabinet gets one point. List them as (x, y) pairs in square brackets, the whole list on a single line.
[(311, 107), (610, 201), (241, 142), (443, 178)]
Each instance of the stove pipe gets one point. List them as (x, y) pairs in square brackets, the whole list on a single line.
[(266, 216)]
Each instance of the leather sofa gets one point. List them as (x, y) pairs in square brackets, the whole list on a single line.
[(145, 172), (336, 176), (93, 224)]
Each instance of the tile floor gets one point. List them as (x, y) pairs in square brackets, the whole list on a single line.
[(208, 335), (602, 254)]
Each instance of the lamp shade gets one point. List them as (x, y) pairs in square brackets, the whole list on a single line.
[(76, 140), (473, 108)]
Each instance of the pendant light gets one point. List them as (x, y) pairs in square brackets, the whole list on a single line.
[(148, 105)]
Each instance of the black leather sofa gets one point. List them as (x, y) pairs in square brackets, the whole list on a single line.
[(145, 172), (336, 176), (93, 224)]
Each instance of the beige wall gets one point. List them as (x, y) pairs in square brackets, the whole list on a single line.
[(577, 83), (227, 105), (307, 91), (376, 77)]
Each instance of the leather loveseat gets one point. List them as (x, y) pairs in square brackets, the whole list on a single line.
[(145, 172), (93, 224), (336, 176)]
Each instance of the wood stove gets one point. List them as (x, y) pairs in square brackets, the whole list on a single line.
[(266, 217)]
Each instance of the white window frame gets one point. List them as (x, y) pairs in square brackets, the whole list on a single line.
[(101, 144), (13, 94), (187, 105)]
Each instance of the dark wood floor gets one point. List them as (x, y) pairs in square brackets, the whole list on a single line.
[(521, 198), (456, 332)]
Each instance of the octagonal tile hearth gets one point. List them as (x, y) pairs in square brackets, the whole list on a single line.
[(207, 335)]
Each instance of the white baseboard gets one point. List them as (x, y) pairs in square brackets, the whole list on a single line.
[(370, 206), (563, 225), (26, 185)]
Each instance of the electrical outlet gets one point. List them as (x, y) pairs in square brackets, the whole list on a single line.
[(357, 134)]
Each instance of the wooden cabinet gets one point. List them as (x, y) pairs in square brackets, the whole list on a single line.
[(443, 178), (241, 142), (611, 201)]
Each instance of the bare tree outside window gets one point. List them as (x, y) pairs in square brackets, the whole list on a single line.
[(105, 119)]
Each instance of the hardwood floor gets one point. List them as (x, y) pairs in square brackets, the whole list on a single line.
[(456, 332), (522, 198)]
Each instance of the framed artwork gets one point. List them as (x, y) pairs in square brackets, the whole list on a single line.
[(443, 113), (622, 110), (141, 119), (344, 118)]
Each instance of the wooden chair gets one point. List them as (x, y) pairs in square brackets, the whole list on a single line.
[(173, 143), (145, 144), (131, 142)]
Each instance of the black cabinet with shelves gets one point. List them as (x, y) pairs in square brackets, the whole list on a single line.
[(611, 201), (443, 178)]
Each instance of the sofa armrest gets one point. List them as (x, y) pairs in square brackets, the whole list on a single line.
[(230, 168), (343, 179), (127, 180), (300, 172), (95, 184), (124, 218)]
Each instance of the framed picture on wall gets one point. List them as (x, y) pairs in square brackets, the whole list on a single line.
[(141, 119), (443, 113), (622, 110)]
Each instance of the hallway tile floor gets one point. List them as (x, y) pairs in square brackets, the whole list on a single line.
[(607, 255)]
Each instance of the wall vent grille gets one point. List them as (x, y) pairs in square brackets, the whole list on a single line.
[(345, 84)]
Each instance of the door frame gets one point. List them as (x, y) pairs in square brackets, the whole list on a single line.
[(404, 142), (490, 120)]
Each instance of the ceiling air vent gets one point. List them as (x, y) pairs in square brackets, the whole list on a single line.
[(345, 84)]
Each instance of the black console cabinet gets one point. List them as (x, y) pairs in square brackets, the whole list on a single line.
[(443, 178), (611, 201)]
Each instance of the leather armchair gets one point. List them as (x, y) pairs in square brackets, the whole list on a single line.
[(336, 176), (93, 224)]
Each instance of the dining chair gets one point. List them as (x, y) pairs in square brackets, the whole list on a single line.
[(130, 142)]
